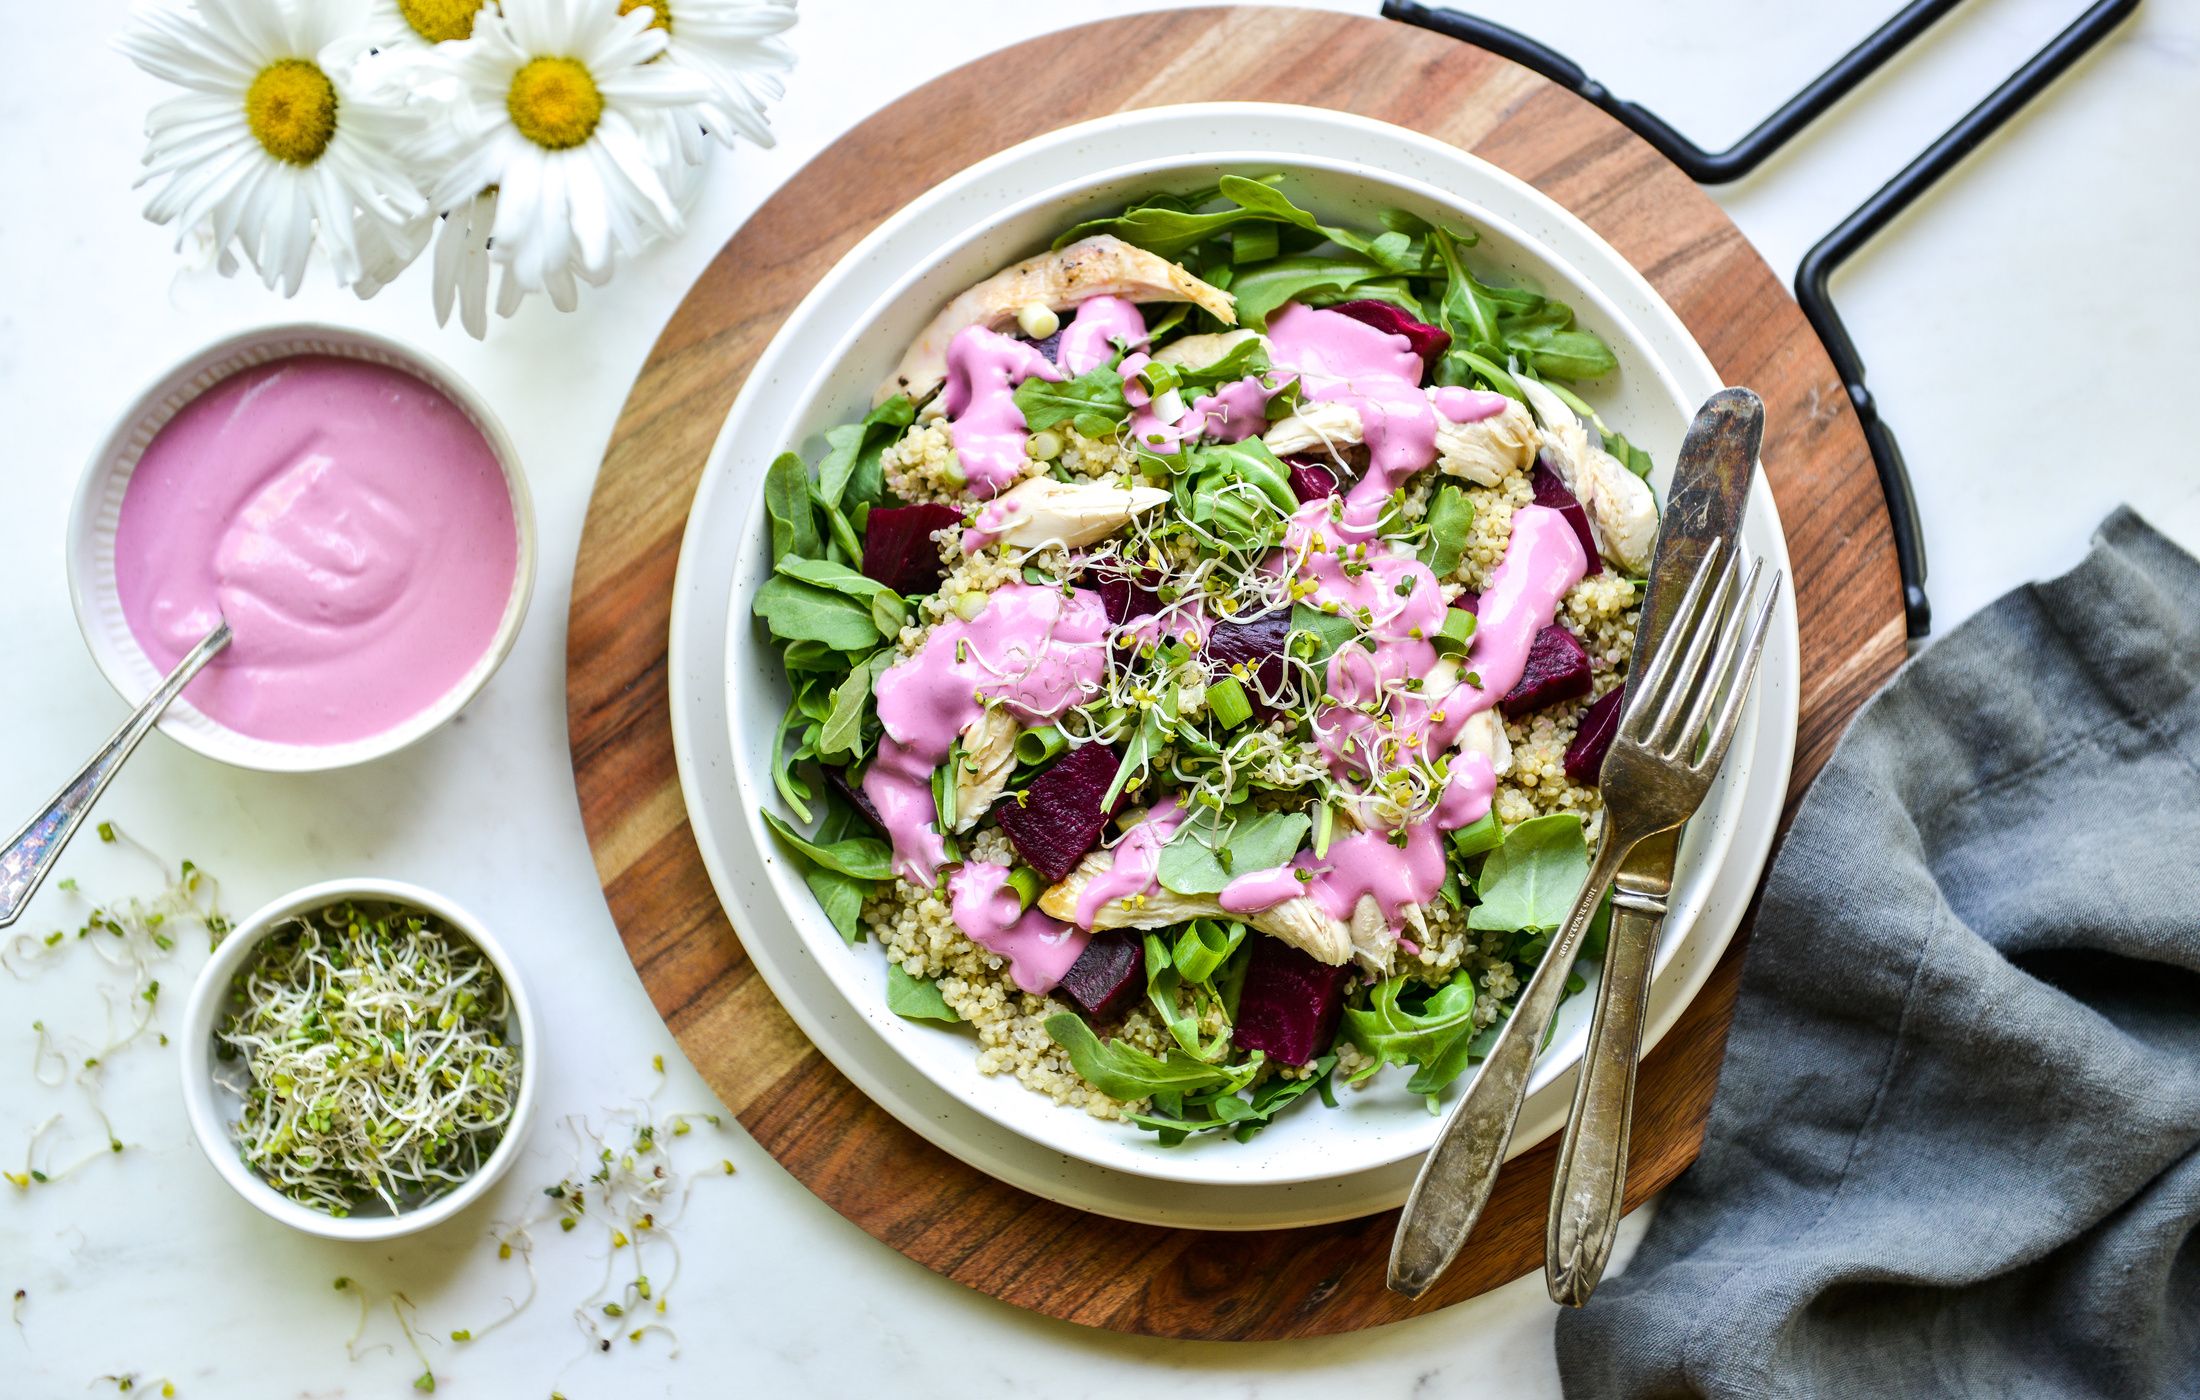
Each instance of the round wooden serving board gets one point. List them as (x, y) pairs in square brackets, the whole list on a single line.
[(945, 1215)]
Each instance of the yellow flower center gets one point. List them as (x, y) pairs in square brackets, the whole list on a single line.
[(439, 20), (291, 108), (663, 8), (554, 103)]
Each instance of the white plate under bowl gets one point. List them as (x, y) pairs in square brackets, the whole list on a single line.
[(97, 511), (727, 689)]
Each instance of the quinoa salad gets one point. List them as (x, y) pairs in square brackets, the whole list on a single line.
[(1203, 653)]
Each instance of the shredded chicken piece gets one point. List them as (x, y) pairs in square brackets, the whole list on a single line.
[(1623, 514), (1298, 921), (1102, 265), (988, 757), (1041, 511), (1487, 450)]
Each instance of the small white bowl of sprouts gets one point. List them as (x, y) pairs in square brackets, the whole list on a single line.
[(355, 1059)]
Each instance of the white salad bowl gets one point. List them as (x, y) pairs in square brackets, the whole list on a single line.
[(1312, 1164), (212, 1103), (97, 510)]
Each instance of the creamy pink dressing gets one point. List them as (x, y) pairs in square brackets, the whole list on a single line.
[(983, 369), (1137, 856), (1397, 601), (987, 908), (1090, 339), (1034, 651), (1543, 561), (350, 522), (1232, 413)]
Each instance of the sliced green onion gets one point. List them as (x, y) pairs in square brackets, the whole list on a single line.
[(1029, 884), (1483, 835), (1036, 746), (1251, 243), (1325, 822), (1159, 378), (1457, 630), (1226, 701)]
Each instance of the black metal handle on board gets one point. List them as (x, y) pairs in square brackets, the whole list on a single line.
[(1702, 166), (1815, 273), (1813, 276)]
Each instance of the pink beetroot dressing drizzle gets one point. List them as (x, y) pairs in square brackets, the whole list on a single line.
[(1542, 562), (1137, 857), (987, 908), (349, 521), (1034, 651), (1232, 413), (983, 369), (1089, 339), (985, 366), (1376, 373)]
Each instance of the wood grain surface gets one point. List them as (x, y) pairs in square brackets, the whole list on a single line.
[(927, 1205)]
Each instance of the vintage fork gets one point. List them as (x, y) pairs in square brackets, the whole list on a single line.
[(1660, 766)]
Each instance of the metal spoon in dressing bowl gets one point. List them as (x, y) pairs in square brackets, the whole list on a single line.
[(31, 852)]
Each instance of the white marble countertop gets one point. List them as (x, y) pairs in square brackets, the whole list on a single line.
[(2025, 329)]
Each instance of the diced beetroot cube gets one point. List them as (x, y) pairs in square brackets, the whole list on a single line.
[(1259, 644), (1593, 738), (1557, 669), (1049, 346), (1468, 601), (1106, 974), (898, 549), (1061, 816), (1289, 1005), (1123, 600), (1311, 480), (1550, 490), (857, 797), (1428, 342)]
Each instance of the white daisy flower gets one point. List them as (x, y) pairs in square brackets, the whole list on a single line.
[(272, 149), (734, 44), (395, 26), (550, 104)]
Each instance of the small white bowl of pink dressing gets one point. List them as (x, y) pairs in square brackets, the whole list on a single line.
[(349, 506)]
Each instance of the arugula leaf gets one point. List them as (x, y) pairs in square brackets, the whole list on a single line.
[(793, 789), (915, 997), (851, 472), (1564, 351), (1092, 403), (1324, 633), (1450, 515), (797, 611), (859, 857), (787, 502), (841, 897), (1264, 287), (1437, 1035), (1204, 491), (888, 612), (1126, 1072), (843, 729), (1213, 1111), (1630, 456), (1212, 847), (1529, 883), (1241, 361)]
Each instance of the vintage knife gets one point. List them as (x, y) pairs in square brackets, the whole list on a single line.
[(1710, 490)]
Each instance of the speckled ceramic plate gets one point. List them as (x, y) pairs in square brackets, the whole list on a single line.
[(728, 688)]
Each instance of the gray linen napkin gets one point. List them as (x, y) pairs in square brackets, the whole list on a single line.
[(1956, 1144)]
